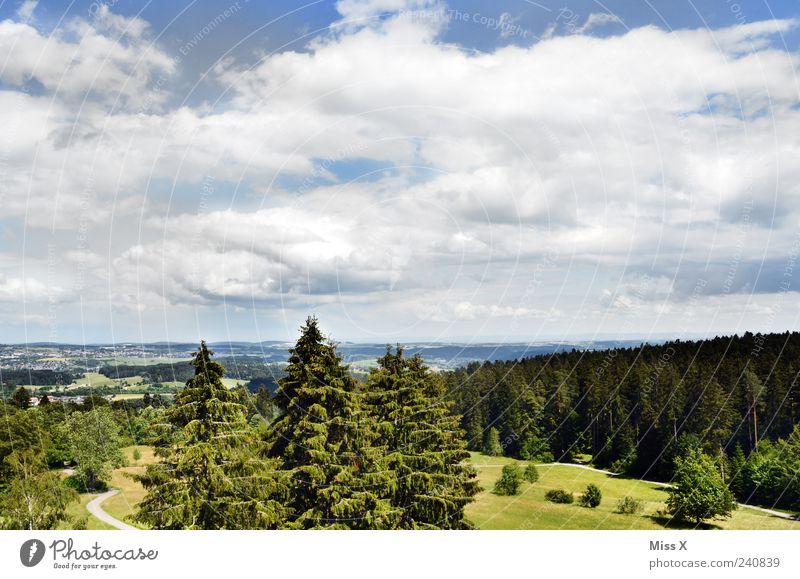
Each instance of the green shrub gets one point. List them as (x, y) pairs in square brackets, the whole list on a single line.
[(137, 454), (559, 496), (531, 474), (698, 492), (629, 506), (510, 480), (592, 497)]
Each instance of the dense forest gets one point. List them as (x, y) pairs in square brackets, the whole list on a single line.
[(634, 410)]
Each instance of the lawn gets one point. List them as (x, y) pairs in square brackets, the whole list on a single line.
[(131, 492), (93, 379), (529, 510), (77, 510), (232, 382)]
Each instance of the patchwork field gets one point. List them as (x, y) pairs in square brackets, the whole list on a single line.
[(529, 509)]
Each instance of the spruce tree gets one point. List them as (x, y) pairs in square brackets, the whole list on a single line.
[(324, 440), (423, 444), (211, 474), (492, 447)]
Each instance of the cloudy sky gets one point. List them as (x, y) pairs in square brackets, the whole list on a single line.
[(404, 169)]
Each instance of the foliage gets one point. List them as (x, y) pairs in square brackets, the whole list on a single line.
[(531, 474), (510, 480), (629, 506), (96, 442), (769, 475), (421, 443), (559, 496), (698, 492), (635, 409), (211, 474), (323, 439), (21, 398), (35, 498), (492, 447), (591, 497)]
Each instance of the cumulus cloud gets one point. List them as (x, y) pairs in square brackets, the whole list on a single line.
[(379, 165), (108, 58)]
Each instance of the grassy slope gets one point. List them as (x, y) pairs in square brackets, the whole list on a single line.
[(77, 510), (529, 510), (131, 492)]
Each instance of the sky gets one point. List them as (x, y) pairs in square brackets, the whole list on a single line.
[(403, 169)]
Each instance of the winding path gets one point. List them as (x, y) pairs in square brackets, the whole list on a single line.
[(95, 509), (661, 484)]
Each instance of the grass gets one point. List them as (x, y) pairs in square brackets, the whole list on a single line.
[(128, 396), (77, 510), (123, 504), (529, 510), (174, 384), (93, 379), (231, 382)]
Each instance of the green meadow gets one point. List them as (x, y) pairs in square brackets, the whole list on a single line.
[(530, 510)]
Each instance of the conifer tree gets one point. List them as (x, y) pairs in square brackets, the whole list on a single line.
[(492, 447), (423, 444), (211, 474), (324, 441)]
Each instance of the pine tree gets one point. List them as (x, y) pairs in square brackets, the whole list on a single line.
[(324, 440), (424, 446), (211, 474)]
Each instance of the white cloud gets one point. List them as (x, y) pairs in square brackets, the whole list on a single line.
[(108, 59), (628, 154), (26, 9), (596, 19)]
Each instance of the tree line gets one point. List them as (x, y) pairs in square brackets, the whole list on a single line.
[(638, 410)]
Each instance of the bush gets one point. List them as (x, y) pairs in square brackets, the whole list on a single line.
[(531, 474), (137, 454), (699, 493), (559, 496), (510, 480), (592, 497), (629, 506)]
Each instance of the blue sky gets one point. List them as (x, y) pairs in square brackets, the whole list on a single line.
[(405, 169)]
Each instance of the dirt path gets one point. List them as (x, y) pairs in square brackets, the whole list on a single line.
[(661, 484), (95, 509)]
